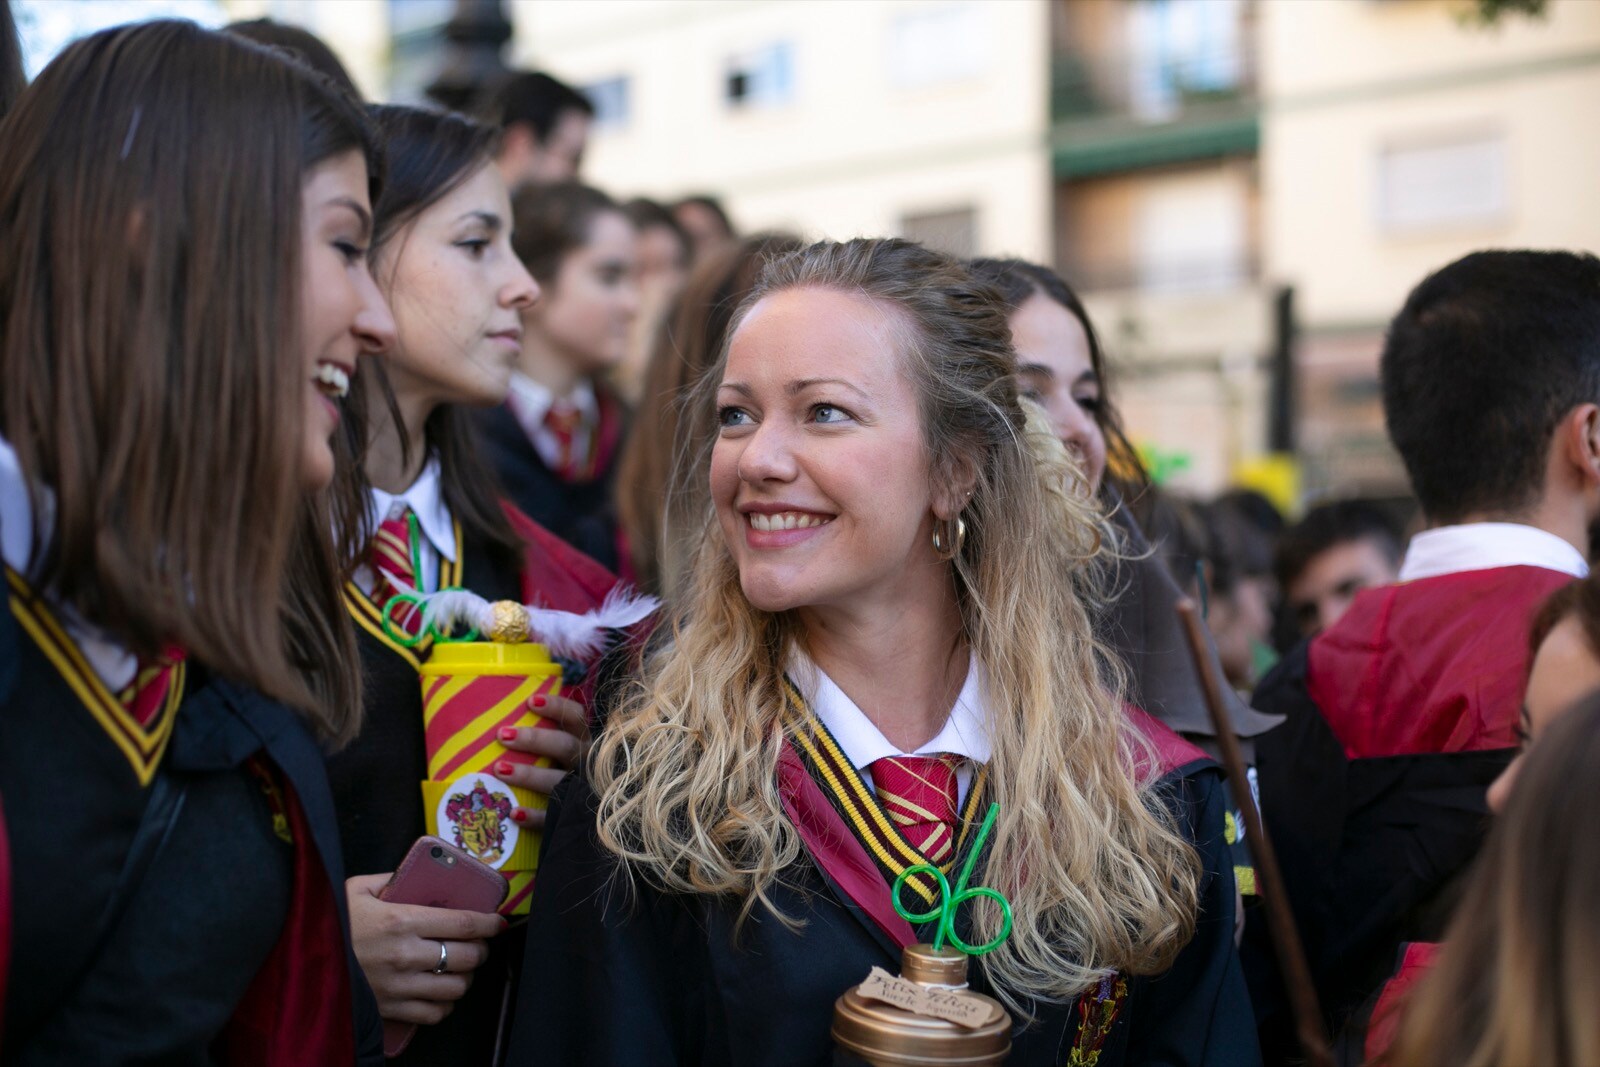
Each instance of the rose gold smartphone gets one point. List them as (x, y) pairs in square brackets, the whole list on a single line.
[(436, 874)]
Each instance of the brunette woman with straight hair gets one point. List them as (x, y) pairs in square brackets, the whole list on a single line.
[(554, 443), (654, 513), (443, 258), (184, 216)]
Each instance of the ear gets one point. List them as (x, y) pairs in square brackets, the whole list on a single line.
[(517, 146), (953, 488), (1578, 437)]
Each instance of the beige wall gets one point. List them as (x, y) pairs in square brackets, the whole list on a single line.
[(852, 152), (1345, 82)]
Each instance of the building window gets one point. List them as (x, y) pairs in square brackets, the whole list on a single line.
[(938, 46), (760, 77), (954, 231), (1443, 183), (610, 98)]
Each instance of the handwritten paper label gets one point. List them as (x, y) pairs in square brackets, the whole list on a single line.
[(952, 1005)]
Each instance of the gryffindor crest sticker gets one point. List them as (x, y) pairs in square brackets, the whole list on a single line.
[(475, 815)]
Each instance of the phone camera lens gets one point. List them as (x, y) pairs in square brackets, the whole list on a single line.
[(437, 852)]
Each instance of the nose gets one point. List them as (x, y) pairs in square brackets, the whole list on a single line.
[(628, 296), (1073, 425), (520, 292), (374, 324), (767, 456)]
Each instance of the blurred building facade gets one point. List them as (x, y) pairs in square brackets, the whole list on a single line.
[(1155, 130), (1396, 138), (925, 118), (1182, 162)]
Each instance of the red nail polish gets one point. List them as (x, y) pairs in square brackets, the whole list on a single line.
[(519, 815), (503, 767), (508, 733), (539, 702)]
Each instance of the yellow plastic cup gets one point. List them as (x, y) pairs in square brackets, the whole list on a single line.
[(470, 691)]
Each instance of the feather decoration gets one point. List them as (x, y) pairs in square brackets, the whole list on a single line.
[(566, 634)]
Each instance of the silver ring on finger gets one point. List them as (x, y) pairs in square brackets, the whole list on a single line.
[(444, 959)]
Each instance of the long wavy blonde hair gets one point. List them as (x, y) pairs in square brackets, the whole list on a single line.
[(1097, 876)]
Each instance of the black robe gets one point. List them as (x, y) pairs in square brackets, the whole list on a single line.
[(581, 513), (376, 777), (630, 975), (175, 888), (1397, 719)]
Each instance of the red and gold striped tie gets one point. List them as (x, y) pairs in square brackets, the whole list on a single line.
[(562, 420), (147, 692), (919, 794), (392, 563)]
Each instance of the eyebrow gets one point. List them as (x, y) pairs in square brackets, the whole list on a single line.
[(488, 219), (794, 388), (1088, 376), (362, 215), (799, 386)]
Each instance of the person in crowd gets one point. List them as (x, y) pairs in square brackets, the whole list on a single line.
[(662, 269), (1516, 978), (434, 519), (186, 217), (706, 222), (299, 42), (554, 443), (1564, 653), (1239, 587), (890, 596), (1062, 367), (1330, 555), (544, 129), (1401, 714), (658, 517)]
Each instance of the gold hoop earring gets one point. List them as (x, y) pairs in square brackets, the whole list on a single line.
[(941, 544)]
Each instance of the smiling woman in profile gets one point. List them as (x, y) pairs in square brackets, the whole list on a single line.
[(886, 630)]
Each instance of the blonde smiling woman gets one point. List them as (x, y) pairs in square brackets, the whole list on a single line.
[(890, 598)]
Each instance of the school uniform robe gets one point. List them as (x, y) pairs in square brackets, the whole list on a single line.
[(628, 974), (175, 890), (1397, 720), (581, 513), (376, 778)]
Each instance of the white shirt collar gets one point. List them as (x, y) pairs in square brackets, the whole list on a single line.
[(1479, 546), (426, 500), (114, 664), (863, 743), (533, 399)]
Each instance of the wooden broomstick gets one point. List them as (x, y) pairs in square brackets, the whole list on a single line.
[(1285, 938)]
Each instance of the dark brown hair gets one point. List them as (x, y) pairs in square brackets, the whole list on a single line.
[(427, 154), (1017, 280), (299, 42), (1519, 973), (552, 220), (149, 308), (1578, 599), (13, 78), (688, 343)]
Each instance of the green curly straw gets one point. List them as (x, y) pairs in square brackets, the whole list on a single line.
[(945, 913)]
